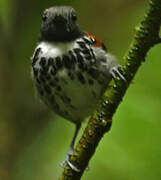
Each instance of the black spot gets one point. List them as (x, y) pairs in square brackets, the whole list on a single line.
[(81, 78), (47, 89), (35, 57), (86, 51), (90, 81), (80, 58), (87, 41), (81, 63), (104, 47), (82, 44), (35, 71), (58, 88), (37, 52), (58, 62), (37, 80), (71, 75), (53, 71), (67, 62), (93, 72), (50, 61), (42, 62), (88, 56), (93, 56), (44, 66), (43, 72), (77, 50), (72, 59)]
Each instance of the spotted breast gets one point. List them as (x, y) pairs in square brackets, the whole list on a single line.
[(71, 77)]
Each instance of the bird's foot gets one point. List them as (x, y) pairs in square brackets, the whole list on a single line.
[(72, 166), (67, 161), (116, 74)]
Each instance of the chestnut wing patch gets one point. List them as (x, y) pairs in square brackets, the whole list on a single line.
[(96, 42)]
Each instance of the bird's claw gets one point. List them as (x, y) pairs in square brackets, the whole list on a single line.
[(116, 74), (66, 161), (74, 168)]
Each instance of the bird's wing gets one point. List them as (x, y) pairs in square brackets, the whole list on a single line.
[(95, 41)]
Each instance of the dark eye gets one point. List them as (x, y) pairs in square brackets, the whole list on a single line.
[(44, 16), (74, 17)]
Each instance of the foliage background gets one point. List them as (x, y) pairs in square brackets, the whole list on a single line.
[(33, 140)]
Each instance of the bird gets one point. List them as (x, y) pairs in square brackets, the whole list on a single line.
[(71, 68)]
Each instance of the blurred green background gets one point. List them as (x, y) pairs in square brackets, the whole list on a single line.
[(33, 140)]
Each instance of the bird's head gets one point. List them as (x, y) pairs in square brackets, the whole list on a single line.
[(59, 24)]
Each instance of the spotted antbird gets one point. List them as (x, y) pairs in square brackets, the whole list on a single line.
[(71, 68)]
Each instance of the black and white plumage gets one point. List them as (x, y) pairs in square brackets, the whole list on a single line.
[(71, 68)]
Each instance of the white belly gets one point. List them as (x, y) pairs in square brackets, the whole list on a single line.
[(75, 100)]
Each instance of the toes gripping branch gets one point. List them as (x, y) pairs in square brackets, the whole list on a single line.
[(116, 74)]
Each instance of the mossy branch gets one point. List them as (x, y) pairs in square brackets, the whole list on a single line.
[(146, 36)]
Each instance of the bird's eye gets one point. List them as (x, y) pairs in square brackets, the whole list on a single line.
[(44, 16), (74, 17)]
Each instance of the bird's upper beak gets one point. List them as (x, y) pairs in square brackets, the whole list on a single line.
[(61, 23)]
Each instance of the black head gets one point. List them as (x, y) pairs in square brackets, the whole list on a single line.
[(59, 24)]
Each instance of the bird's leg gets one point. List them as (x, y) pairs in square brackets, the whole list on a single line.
[(71, 149)]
